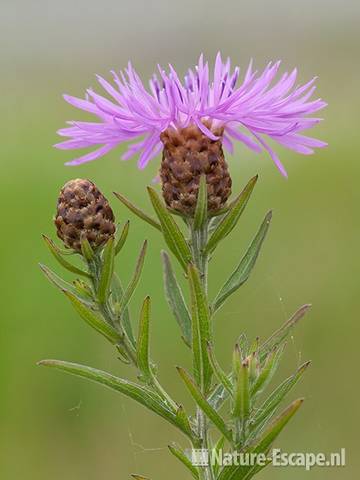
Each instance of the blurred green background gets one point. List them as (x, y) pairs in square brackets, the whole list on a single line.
[(55, 426)]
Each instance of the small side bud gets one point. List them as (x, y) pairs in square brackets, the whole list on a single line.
[(83, 213)]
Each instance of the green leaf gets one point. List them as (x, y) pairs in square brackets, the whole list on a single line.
[(247, 263), (241, 472), (219, 373), (143, 340), (268, 371), (138, 211), (243, 343), (183, 419), (276, 427), (139, 477), (180, 455), (201, 209), (219, 213), (220, 444), (270, 405), (57, 253), (176, 300), (171, 231), (86, 250), (59, 282), (123, 354), (83, 289), (231, 218), (204, 405), (265, 374), (213, 223), (219, 395), (139, 393), (201, 333), (117, 293), (107, 269), (135, 279), (280, 335), (122, 239), (241, 386), (91, 318)]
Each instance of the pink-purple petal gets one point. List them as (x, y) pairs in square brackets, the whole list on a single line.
[(263, 103), (89, 157)]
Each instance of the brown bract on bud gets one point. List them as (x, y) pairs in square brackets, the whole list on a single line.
[(188, 153), (83, 212)]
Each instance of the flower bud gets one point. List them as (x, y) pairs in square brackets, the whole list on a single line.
[(188, 153), (254, 366), (83, 212)]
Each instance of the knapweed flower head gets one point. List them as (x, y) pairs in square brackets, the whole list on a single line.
[(260, 108)]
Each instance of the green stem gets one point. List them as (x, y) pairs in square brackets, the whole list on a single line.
[(106, 310), (200, 259)]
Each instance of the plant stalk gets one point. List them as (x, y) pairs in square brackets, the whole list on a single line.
[(200, 259)]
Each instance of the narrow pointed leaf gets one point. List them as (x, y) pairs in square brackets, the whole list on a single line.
[(176, 300), (263, 378), (267, 371), (58, 281), (143, 340), (83, 289), (243, 343), (180, 455), (241, 472), (183, 419), (200, 215), (203, 404), (276, 427), (220, 444), (171, 231), (135, 279), (280, 335), (64, 263), (107, 269), (94, 320), (268, 408), (241, 391), (139, 393), (218, 371), (220, 212), (122, 239), (140, 213), (123, 354), (231, 218), (201, 332), (117, 293), (139, 477), (242, 272), (87, 250)]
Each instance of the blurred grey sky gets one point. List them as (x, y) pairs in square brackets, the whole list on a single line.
[(101, 35)]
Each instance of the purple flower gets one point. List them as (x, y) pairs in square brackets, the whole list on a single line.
[(253, 111)]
